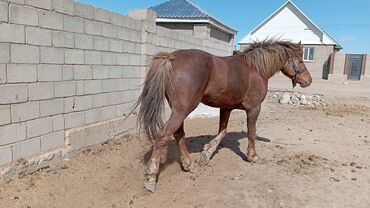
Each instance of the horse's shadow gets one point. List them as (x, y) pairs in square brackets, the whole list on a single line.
[(196, 144)]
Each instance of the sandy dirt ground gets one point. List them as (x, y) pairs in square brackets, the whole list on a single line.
[(310, 158)]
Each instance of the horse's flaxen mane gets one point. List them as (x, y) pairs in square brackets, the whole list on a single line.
[(270, 56)]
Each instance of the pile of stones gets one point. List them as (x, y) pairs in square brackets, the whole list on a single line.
[(298, 99)]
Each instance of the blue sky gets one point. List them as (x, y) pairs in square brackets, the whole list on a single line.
[(347, 21)]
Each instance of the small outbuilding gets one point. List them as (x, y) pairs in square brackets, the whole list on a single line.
[(186, 17)]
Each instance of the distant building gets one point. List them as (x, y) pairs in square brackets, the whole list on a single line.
[(188, 18), (289, 23)]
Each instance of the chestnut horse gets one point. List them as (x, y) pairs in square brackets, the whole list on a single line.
[(187, 77)]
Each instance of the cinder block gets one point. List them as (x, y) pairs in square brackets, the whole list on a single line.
[(73, 120), (100, 72), (73, 24), (109, 85), (65, 89), (135, 60), (100, 100), (63, 39), (15, 1), (122, 84), (39, 127), (101, 15), (41, 91), (109, 58), (129, 47), (116, 45), (115, 72), (58, 122), (123, 59), (101, 44), (119, 19), (135, 36), (134, 71), (5, 155), (84, 41), (67, 72), (123, 109), (115, 98), (5, 115), (93, 116), (82, 72), (51, 20), (23, 15), (80, 87), (83, 103), (25, 54), (13, 94), (47, 72), (84, 10), (12, 133), (12, 33), (92, 86), (52, 55), (64, 6), (26, 149), (37, 36), (123, 33), (109, 31), (25, 111), (51, 107), (2, 73), (74, 57), (44, 4), (4, 11), (52, 141), (109, 112), (93, 27), (93, 57), (4, 53), (18, 73)]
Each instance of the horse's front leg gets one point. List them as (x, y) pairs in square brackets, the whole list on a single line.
[(252, 115)]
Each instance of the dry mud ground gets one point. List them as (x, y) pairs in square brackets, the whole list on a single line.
[(310, 158)]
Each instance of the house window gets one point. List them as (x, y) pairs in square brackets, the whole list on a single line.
[(308, 54)]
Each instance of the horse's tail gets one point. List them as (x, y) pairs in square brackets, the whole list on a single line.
[(157, 85)]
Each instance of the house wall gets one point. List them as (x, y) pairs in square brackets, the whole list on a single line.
[(69, 73), (185, 28), (317, 67), (338, 72)]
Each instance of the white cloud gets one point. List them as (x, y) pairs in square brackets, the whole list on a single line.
[(347, 39)]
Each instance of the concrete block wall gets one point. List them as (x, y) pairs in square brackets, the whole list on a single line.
[(70, 71)]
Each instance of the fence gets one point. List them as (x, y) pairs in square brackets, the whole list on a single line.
[(70, 71)]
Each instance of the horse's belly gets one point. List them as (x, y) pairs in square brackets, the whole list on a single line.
[(221, 100)]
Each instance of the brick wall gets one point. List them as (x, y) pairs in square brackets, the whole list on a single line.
[(69, 71)]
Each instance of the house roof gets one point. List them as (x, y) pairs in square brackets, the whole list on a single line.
[(186, 12), (328, 40)]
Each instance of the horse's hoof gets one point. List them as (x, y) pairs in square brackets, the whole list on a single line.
[(204, 157), (253, 159), (150, 185), (193, 168)]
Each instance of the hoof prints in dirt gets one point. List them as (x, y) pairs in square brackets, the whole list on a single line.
[(302, 163)]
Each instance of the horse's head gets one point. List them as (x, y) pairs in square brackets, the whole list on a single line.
[(295, 69)]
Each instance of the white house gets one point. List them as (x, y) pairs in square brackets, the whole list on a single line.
[(290, 23)]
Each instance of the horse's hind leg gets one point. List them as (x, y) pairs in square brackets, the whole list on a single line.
[(211, 147), (174, 123), (186, 162)]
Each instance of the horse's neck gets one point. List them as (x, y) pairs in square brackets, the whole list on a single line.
[(279, 67)]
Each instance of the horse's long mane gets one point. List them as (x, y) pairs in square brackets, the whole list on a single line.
[(270, 55)]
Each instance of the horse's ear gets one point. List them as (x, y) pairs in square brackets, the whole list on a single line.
[(300, 42)]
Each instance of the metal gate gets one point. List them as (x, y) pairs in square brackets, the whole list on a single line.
[(354, 66)]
